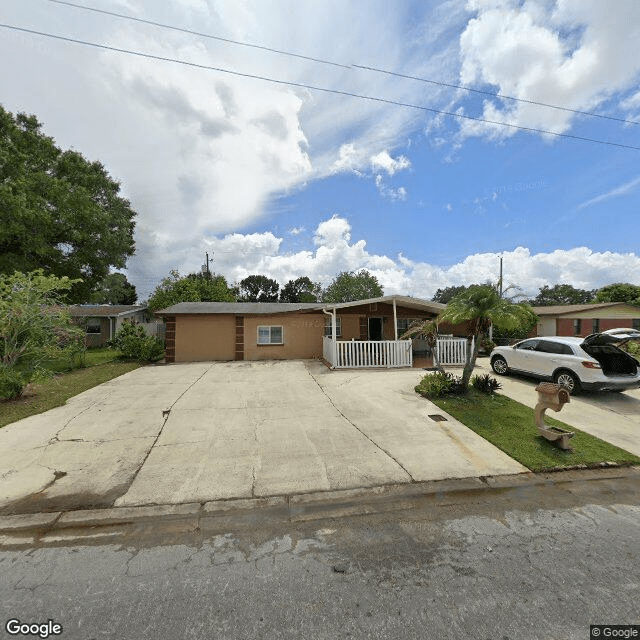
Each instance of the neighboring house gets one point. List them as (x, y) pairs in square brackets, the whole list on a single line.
[(199, 331), (585, 319), (102, 321)]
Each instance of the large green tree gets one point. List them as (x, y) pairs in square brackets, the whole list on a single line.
[(349, 286), (191, 288), (562, 294), (619, 292), (445, 294), (258, 288), (300, 290), (114, 289), (58, 211), (481, 306)]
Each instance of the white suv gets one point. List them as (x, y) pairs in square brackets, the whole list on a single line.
[(592, 363)]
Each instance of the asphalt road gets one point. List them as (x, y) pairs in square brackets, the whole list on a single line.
[(545, 563)]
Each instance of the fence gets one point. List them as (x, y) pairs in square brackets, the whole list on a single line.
[(154, 328), (451, 351), (367, 353)]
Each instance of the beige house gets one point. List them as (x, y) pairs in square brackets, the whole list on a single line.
[(362, 333), (585, 319)]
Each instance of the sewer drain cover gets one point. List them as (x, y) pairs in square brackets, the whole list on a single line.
[(436, 417)]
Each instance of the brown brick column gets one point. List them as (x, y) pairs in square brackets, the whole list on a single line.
[(170, 339), (239, 338), (364, 328)]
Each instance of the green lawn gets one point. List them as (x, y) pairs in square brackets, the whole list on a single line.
[(510, 426), (92, 357), (55, 392)]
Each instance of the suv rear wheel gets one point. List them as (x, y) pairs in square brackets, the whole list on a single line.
[(568, 380)]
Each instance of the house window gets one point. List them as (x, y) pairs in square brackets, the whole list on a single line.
[(577, 327), (595, 325), (93, 326), (270, 334), (327, 326), (403, 324), (635, 324)]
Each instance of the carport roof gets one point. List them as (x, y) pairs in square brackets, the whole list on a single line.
[(184, 308)]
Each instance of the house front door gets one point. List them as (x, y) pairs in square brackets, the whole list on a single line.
[(375, 328)]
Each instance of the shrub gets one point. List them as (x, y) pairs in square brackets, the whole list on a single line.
[(633, 348), (487, 345), (134, 343), (12, 383), (485, 383), (440, 384)]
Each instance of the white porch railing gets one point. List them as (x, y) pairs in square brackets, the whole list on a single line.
[(357, 354), (451, 351)]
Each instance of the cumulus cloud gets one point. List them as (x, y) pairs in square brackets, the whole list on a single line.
[(334, 250), (572, 53)]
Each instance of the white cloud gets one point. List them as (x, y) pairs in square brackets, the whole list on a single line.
[(391, 165), (387, 192), (572, 53), (621, 190), (296, 231), (237, 255)]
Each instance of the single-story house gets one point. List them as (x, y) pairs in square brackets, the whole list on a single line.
[(102, 321), (585, 319), (361, 333)]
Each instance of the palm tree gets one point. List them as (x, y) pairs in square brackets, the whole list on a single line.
[(480, 306)]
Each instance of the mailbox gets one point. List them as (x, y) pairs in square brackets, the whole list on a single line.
[(552, 396)]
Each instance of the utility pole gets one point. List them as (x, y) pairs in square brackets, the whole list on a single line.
[(205, 266), (500, 279)]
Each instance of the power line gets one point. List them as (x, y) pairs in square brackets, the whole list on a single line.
[(337, 64), (309, 87), (198, 33), (491, 93)]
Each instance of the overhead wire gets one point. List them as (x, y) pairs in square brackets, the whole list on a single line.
[(338, 64), (310, 87)]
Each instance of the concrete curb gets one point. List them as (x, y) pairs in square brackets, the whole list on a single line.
[(112, 523)]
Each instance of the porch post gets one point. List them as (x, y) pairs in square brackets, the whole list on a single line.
[(333, 336), (395, 321)]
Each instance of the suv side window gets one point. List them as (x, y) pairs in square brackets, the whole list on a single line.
[(528, 345), (547, 346)]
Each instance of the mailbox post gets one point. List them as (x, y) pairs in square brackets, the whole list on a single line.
[(552, 396)]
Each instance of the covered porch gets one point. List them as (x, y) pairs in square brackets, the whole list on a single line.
[(365, 333)]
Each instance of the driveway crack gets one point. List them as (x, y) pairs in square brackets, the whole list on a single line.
[(357, 428), (165, 415)]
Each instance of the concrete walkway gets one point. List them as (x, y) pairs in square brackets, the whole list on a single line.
[(210, 431)]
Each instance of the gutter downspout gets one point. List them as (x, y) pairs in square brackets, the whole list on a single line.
[(334, 344)]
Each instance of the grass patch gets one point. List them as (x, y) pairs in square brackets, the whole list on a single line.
[(510, 426), (55, 392), (90, 358)]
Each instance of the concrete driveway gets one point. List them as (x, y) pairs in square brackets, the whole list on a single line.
[(614, 417), (207, 431)]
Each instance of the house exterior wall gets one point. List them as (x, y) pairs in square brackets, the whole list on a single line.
[(565, 325), (204, 337), (546, 327), (302, 336), (96, 339)]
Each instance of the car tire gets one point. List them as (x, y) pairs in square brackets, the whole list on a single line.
[(568, 380), (499, 365)]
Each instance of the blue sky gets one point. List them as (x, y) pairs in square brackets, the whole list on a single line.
[(288, 181)]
